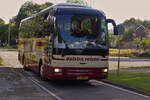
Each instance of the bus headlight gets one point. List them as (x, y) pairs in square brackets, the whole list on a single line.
[(105, 70), (57, 70)]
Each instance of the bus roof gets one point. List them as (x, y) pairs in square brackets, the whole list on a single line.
[(62, 8)]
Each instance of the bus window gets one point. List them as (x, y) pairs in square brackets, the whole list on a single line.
[(82, 31)]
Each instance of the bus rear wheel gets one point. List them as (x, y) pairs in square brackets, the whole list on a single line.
[(41, 72), (24, 64)]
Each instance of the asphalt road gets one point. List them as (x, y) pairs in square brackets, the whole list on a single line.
[(131, 62), (72, 90)]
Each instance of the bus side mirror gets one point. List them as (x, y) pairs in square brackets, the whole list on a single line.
[(114, 25)]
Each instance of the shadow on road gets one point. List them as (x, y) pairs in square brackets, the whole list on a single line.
[(57, 83)]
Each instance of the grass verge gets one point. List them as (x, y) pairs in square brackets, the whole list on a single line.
[(2, 62), (11, 47), (136, 80), (127, 67), (130, 53)]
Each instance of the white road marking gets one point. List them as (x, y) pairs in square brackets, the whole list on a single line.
[(45, 89), (27, 72), (35, 81), (125, 90)]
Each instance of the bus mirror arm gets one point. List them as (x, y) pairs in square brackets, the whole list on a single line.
[(114, 25)]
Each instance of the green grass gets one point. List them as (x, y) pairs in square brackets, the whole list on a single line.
[(11, 47), (2, 62), (130, 53), (136, 80), (123, 67)]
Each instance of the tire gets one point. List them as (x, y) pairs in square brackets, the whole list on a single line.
[(41, 72), (24, 64)]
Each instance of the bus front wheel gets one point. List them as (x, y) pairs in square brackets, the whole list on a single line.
[(41, 72)]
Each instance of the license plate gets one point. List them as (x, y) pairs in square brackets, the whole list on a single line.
[(82, 78)]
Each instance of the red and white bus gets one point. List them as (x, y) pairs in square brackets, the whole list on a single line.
[(66, 41)]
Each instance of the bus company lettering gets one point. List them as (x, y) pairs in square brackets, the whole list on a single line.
[(82, 59)]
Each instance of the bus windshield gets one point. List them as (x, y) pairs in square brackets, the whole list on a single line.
[(80, 32)]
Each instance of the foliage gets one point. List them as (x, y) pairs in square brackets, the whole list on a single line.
[(2, 62), (145, 43), (136, 80), (3, 33), (130, 53), (137, 41), (27, 9), (1, 21), (132, 22), (35, 26), (11, 47), (128, 35), (47, 4), (82, 2), (113, 40), (123, 52)]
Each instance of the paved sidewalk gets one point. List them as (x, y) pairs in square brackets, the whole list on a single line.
[(15, 86)]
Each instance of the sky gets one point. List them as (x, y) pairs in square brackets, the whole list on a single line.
[(119, 10)]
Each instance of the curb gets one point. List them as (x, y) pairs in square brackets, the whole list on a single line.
[(126, 87)]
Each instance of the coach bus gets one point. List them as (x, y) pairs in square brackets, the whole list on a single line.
[(66, 41)]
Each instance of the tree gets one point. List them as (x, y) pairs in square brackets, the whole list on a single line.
[(27, 9), (128, 35), (1, 21), (82, 2), (4, 33), (46, 5), (113, 40), (13, 31)]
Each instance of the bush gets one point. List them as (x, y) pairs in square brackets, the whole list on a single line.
[(123, 52), (145, 43)]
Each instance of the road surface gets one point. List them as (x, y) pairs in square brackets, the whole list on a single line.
[(132, 62), (71, 90)]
